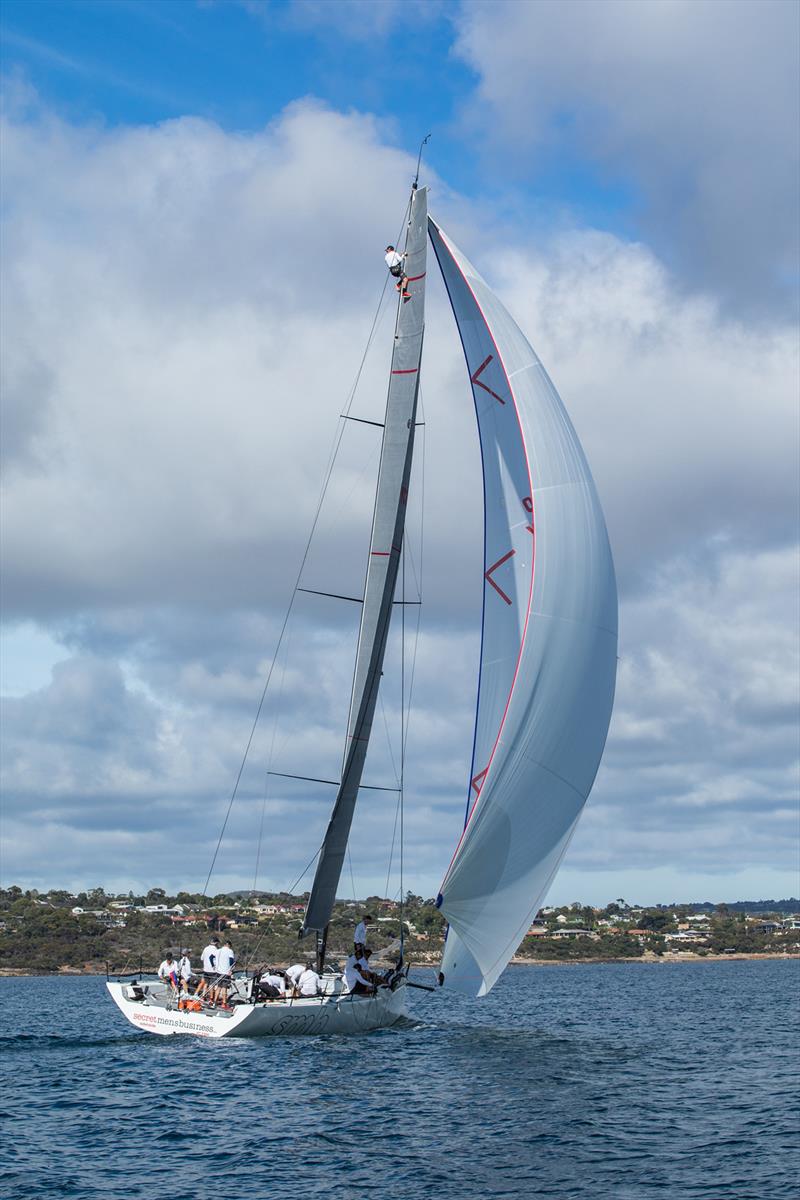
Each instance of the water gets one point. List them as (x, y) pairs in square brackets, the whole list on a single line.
[(612, 1082)]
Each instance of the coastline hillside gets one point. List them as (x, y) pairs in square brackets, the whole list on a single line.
[(61, 931)]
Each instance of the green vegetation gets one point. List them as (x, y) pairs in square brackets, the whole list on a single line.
[(48, 932), (577, 948), (44, 932)]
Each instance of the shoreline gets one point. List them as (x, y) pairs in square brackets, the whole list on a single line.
[(517, 961), (670, 956)]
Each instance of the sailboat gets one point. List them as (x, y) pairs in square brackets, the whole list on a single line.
[(546, 674)]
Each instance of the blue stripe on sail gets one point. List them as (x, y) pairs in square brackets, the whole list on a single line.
[(432, 226)]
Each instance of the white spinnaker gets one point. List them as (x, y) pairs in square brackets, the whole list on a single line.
[(549, 650)]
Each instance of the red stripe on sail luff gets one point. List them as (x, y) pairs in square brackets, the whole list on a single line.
[(477, 781), (533, 556), (408, 371), (414, 278), (474, 378), (487, 575)]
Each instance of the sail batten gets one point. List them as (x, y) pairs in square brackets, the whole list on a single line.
[(548, 646), (386, 541)]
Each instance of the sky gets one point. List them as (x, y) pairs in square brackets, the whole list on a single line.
[(195, 201)]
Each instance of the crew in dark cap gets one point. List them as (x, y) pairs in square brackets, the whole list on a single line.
[(360, 935)]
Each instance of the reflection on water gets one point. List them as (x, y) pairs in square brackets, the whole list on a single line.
[(612, 1082)]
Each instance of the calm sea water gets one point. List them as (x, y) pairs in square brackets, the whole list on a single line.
[(577, 1083)]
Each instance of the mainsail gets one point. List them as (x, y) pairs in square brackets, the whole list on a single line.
[(386, 544), (549, 646)]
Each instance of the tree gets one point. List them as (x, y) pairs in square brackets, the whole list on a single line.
[(656, 919)]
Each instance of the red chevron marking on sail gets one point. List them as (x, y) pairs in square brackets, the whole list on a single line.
[(488, 575), (474, 379), (409, 371), (477, 782), (414, 278)]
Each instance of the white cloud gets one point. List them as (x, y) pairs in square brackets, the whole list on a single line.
[(695, 105), (702, 761), (184, 311), (692, 414)]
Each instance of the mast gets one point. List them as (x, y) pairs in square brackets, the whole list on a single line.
[(386, 542)]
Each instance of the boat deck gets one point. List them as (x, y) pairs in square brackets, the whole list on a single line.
[(153, 1006)]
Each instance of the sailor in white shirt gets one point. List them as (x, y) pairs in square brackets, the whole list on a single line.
[(184, 970), (396, 264), (294, 973), (365, 969), (309, 981), (168, 971), (225, 960), (354, 980), (274, 981), (360, 935), (209, 960)]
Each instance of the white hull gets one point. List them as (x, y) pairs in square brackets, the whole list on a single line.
[(338, 1014)]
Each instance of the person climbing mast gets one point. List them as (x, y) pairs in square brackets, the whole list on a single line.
[(396, 264)]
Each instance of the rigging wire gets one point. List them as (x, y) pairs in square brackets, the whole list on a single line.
[(352, 879), (388, 740), (418, 582), (326, 481), (269, 765), (284, 891), (391, 848), (419, 610), (402, 732)]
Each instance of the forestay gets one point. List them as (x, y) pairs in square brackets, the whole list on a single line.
[(549, 647), (384, 556)]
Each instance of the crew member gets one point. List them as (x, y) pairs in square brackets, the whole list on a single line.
[(209, 959), (168, 971), (360, 935), (271, 985), (293, 974), (396, 264), (309, 982), (225, 962), (355, 980), (184, 971), (364, 968)]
